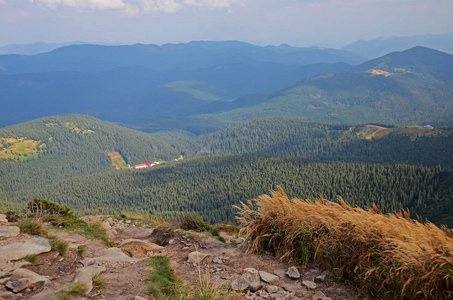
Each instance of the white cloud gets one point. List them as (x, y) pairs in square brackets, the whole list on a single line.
[(134, 7), (167, 6), (92, 4), (2, 1)]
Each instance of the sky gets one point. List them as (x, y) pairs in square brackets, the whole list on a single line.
[(324, 23)]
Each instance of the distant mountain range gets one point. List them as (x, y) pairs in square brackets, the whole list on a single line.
[(193, 55), (206, 86), (39, 47), (382, 46)]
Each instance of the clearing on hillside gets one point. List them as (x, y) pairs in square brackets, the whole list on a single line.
[(20, 149), (118, 161)]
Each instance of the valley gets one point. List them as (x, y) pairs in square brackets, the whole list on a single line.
[(206, 130)]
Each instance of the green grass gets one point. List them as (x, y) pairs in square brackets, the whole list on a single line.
[(82, 250), (32, 258), (99, 282), (32, 227), (164, 282), (58, 244), (72, 289)]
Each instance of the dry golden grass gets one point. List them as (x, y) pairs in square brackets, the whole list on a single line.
[(383, 256)]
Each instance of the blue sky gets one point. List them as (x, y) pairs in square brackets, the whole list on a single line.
[(326, 23)]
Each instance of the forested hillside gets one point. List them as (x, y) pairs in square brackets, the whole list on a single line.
[(43, 151), (210, 186), (290, 137), (413, 87)]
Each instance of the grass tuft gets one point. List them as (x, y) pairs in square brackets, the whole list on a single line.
[(99, 282), (383, 256), (32, 258), (32, 227), (72, 289), (191, 222), (82, 250), (58, 244), (164, 282)]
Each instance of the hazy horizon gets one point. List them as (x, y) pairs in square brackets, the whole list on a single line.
[(300, 23)]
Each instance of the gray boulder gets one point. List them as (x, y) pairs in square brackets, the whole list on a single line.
[(9, 231), (268, 277), (85, 275), (293, 273), (22, 279), (17, 251)]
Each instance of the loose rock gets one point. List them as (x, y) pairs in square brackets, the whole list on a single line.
[(268, 277), (22, 279), (309, 284), (3, 219), (9, 231), (86, 274), (196, 257), (318, 295), (293, 273)]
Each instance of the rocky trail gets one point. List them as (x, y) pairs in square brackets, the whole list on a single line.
[(193, 256)]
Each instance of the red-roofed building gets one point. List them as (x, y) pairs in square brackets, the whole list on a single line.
[(145, 165)]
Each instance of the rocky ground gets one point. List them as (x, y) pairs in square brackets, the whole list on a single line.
[(193, 256)]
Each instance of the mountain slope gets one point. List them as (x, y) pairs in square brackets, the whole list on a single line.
[(209, 186), (382, 46), (290, 137), (44, 151), (407, 88)]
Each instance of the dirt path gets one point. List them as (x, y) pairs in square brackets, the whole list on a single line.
[(126, 278)]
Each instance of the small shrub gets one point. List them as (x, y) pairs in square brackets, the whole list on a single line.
[(82, 250), (33, 258), (191, 222), (72, 289), (32, 227), (99, 282), (57, 244), (12, 216)]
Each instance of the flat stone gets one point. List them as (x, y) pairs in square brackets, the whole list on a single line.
[(85, 275), (268, 277), (217, 260), (293, 273), (320, 278), (139, 298), (262, 294), (309, 284), (318, 296), (281, 295), (290, 287), (196, 257), (279, 272), (3, 219), (139, 248), (255, 286), (9, 231), (22, 279), (5, 274), (271, 289), (239, 284), (17, 251), (110, 255)]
